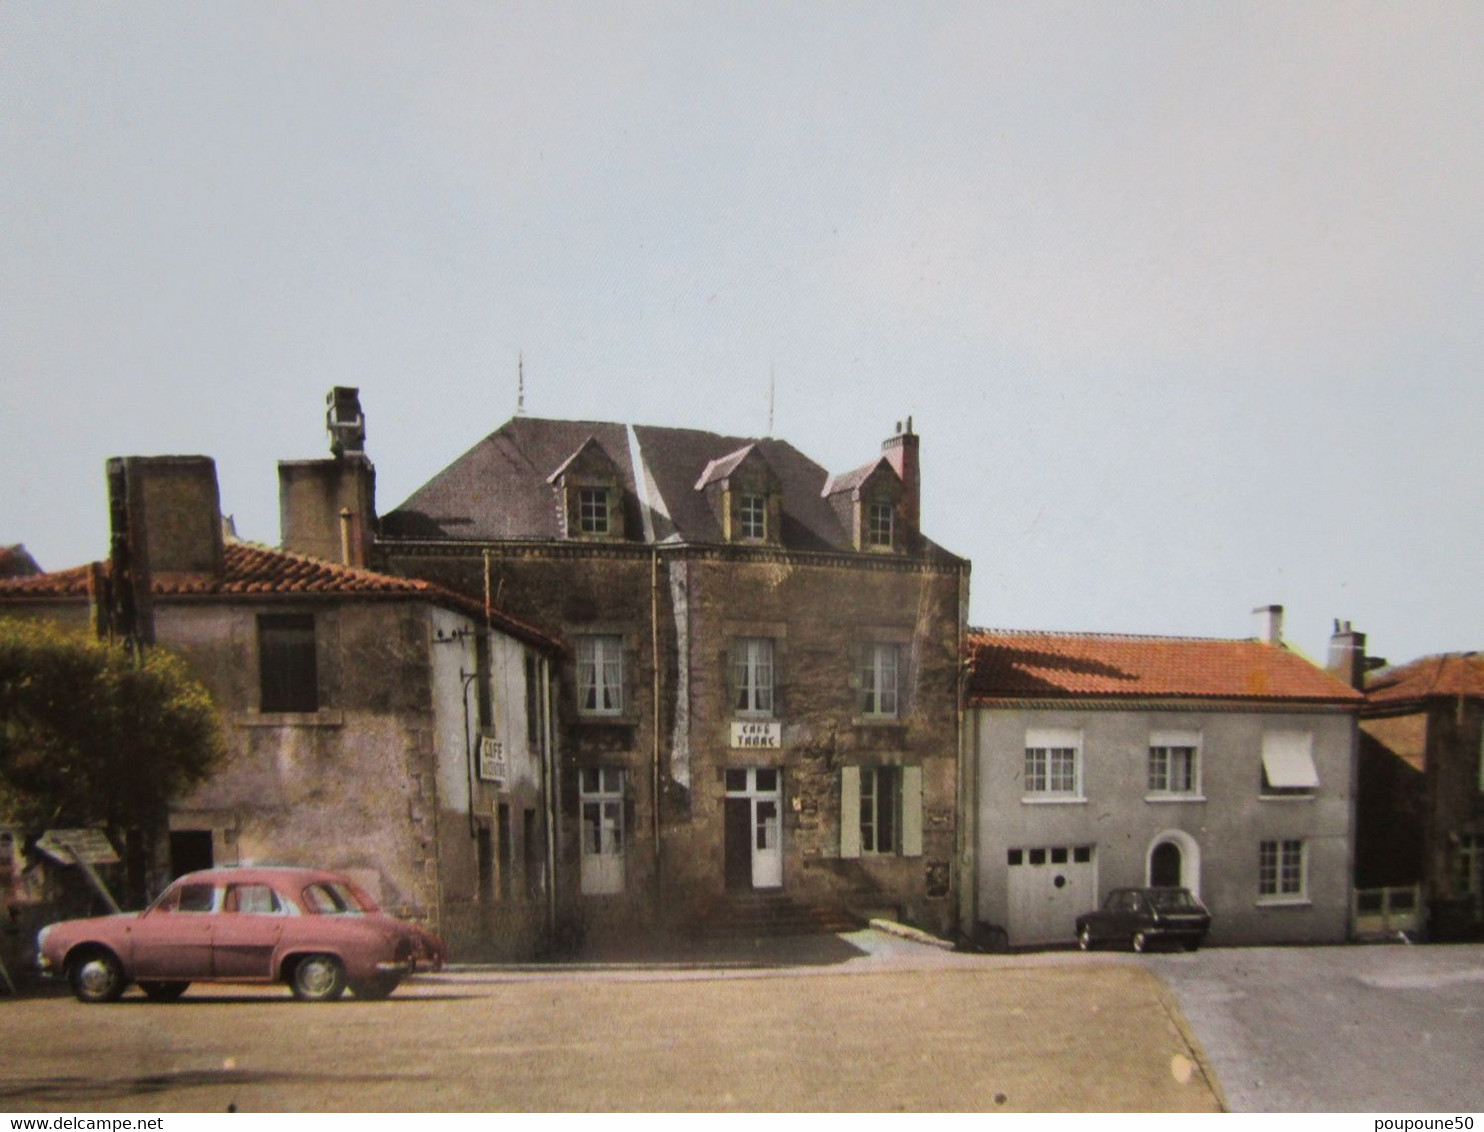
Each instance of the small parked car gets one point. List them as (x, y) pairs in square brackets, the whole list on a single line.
[(1142, 916), (313, 929)]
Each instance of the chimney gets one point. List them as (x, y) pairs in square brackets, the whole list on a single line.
[(901, 452), (1269, 624), (344, 420), (1347, 659), (327, 508), (166, 525)]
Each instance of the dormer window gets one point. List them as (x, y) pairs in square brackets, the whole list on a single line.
[(589, 491), (880, 517), (592, 510), (745, 495), (752, 516)]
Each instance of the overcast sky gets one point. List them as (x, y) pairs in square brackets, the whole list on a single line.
[(1186, 300)]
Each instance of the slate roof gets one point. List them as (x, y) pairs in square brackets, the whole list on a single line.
[(1018, 665), (498, 490), (251, 571), (1444, 675)]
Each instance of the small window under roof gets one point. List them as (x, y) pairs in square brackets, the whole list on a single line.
[(1288, 760)]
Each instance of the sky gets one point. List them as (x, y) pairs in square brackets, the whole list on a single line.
[(1186, 300)]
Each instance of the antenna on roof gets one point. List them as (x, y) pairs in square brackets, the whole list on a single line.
[(520, 384), (772, 388)]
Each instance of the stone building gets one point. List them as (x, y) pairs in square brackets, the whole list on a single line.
[(758, 701), (376, 724), (1102, 761), (1420, 817)]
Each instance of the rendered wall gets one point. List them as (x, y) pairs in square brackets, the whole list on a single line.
[(1115, 817)]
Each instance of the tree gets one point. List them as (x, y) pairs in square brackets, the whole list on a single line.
[(91, 735)]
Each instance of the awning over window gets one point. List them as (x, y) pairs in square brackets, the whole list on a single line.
[(1288, 760)]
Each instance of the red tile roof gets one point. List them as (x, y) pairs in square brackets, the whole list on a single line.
[(1017, 665), (256, 571), (1447, 674)]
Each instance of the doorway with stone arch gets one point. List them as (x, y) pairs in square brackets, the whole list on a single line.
[(1174, 861)]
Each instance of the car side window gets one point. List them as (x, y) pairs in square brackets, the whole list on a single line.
[(321, 899), (191, 898), (252, 900)]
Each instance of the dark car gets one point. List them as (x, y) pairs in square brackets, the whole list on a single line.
[(310, 928), (1142, 916)]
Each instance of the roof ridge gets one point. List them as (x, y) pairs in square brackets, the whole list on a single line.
[(996, 631)]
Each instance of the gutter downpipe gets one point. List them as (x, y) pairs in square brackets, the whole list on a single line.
[(548, 759), (654, 641)]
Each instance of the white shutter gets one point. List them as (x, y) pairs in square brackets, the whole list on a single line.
[(912, 811), (850, 811)]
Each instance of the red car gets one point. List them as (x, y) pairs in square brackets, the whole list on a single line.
[(310, 928)]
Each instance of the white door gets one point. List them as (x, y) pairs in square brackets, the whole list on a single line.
[(602, 831), (1049, 886), (762, 787)]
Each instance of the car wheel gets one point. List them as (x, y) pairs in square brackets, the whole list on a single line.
[(97, 976), (1140, 942), (163, 992), (374, 990), (318, 978), (1192, 945), (1084, 939)]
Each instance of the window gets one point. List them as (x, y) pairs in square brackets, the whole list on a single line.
[(600, 675), (1053, 766), (530, 854), (484, 701), (880, 516), (286, 663), (333, 899), (484, 856), (878, 677), (601, 790), (1288, 765), (752, 675), (503, 846), (1468, 865), (752, 516), (1174, 763), (592, 510), (533, 701), (252, 900), (880, 811), (1280, 870), (188, 898)]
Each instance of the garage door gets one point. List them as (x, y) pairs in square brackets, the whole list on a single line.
[(1049, 886)]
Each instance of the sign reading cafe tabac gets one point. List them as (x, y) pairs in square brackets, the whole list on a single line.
[(768, 736)]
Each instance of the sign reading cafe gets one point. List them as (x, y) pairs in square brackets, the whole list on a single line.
[(765, 736), (493, 765)]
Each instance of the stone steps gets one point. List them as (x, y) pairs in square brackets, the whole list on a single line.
[(753, 915)]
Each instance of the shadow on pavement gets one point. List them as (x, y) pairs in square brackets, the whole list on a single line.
[(763, 951)]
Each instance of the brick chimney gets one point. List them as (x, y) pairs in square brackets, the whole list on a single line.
[(1269, 624), (166, 525), (1347, 659), (900, 451), (327, 508)]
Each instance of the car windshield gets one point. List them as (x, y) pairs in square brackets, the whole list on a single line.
[(332, 898), (1173, 900)]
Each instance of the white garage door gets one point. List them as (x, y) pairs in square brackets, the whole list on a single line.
[(1049, 887)]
